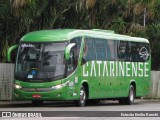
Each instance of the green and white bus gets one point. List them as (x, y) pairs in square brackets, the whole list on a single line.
[(81, 66)]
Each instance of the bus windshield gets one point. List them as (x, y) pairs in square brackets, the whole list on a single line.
[(40, 62)]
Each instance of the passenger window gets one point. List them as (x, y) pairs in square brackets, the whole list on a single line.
[(88, 50), (73, 60), (123, 51), (111, 50), (100, 47), (76, 50), (134, 52), (139, 52)]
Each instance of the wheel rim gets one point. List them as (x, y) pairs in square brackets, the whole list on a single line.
[(82, 97), (131, 95)]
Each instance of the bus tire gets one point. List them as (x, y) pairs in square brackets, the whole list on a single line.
[(131, 96), (82, 100), (37, 102)]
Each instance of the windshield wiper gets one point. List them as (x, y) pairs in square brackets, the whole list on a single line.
[(58, 77)]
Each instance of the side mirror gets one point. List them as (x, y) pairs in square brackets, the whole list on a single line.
[(9, 52), (68, 50)]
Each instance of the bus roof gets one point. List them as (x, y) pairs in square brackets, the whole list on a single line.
[(59, 35)]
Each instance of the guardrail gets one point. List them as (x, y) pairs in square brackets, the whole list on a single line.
[(6, 81)]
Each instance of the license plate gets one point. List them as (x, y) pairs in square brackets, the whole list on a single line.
[(36, 96)]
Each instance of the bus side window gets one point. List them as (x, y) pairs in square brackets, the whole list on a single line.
[(134, 52), (111, 50), (143, 52), (84, 53), (124, 51), (76, 51), (100, 47), (71, 62), (88, 50)]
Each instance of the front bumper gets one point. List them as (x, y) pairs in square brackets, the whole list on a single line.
[(44, 93)]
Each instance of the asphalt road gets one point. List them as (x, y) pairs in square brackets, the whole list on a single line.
[(145, 109)]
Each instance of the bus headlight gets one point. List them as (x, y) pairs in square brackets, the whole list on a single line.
[(59, 86), (17, 86)]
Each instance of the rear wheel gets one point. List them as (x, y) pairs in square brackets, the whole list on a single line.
[(131, 96), (130, 99), (82, 101)]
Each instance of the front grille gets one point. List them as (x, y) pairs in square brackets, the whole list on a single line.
[(37, 89)]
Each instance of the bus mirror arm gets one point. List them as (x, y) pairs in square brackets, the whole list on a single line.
[(68, 50), (9, 52)]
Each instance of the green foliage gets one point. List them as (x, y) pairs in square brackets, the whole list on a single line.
[(153, 32), (17, 17)]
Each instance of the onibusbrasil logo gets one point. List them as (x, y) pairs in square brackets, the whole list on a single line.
[(20, 114)]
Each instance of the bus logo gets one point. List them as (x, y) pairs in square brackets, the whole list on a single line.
[(144, 54)]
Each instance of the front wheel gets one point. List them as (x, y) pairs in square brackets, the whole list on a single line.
[(82, 100)]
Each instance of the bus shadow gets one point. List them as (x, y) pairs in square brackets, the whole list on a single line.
[(19, 104)]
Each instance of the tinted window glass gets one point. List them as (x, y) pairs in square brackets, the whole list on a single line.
[(139, 52), (123, 51), (77, 47), (134, 52), (73, 61), (111, 50), (143, 52), (100, 47), (89, 50), (40, 62)]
